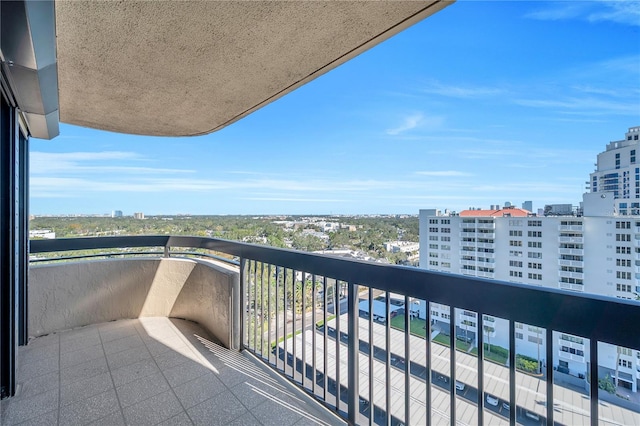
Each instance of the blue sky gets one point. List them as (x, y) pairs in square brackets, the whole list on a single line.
[(482, 103)]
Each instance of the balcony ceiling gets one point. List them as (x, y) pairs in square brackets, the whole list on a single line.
[(176, 68)]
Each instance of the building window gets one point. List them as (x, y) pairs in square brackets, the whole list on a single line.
[(519, 336), (623, 275), (535, 265), (623, 250), (535, 223), (515, 253), (535, 276), (534, 255), (515, 263), (623, 237), (623, 262), (433, 229), (623, 225), (534, 244), (513, 233), (516, 274), (514, 243), (433, 221)]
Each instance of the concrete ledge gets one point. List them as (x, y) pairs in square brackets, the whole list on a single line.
[(73, 294)]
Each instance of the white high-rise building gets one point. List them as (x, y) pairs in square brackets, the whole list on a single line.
[(593, 253)]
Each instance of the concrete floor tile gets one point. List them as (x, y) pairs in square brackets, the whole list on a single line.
[(39, 384), (49, 339), (153, 410), (272, 413), (127, 357), (79, 356), (109, 335), (133, 372), (181, 419), (123, 344), (185, 372), (85, 388), (17, 410), (79, 343), (199, 390), (35, 369), (219, 410), (142, 389), (247, 419), (46, 419), (89, 409), (84, 370), (172, 358), (29, 355), (113, 419)]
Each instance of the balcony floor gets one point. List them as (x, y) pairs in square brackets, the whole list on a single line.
[(150, 371)]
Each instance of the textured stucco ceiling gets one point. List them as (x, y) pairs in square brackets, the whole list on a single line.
[(192, 67)]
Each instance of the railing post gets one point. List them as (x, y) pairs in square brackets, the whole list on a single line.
[(354, 350), (166, 251), (593, 389), (243, 303)]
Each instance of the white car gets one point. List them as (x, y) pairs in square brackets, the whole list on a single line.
[(492, 400)]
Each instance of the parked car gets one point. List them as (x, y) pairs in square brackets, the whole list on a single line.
[(506, 406), (492, 400), (460, 386), (532, 415)]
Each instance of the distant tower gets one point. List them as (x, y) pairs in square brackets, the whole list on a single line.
[(116, 213), (528, 206), (138, 215)]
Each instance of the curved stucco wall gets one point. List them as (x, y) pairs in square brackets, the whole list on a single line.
[(68, 295)]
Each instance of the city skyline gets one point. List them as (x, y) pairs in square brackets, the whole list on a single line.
[(513, 105)]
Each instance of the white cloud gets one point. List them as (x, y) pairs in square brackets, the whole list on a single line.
[(409, 123), (437, 88), (587, 105), (443, 173), (49, 163), (625, 12)]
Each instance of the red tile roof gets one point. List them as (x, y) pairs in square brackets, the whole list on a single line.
[(513, 212)]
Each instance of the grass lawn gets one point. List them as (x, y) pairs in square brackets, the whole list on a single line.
[(416, 325), (321, 322), (497, 358), (442, 339)]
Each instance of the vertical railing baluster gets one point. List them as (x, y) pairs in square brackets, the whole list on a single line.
[(371, 347), (336, 309), (593, 388), (480, 337), (254, 280), (314, 342), (353, 353), (512, 372), (286, 321), (388, 360), (277, 322), (549, 367), (304, 328), (244, 306), (407, 361), (269, 352), (325, 343), (427, 373), (261, 309), (452, 363), (294, 345)]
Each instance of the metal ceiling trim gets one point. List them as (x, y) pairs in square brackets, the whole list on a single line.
[(29, 63)]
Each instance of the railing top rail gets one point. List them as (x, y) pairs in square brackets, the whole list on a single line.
[(586, 315)]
